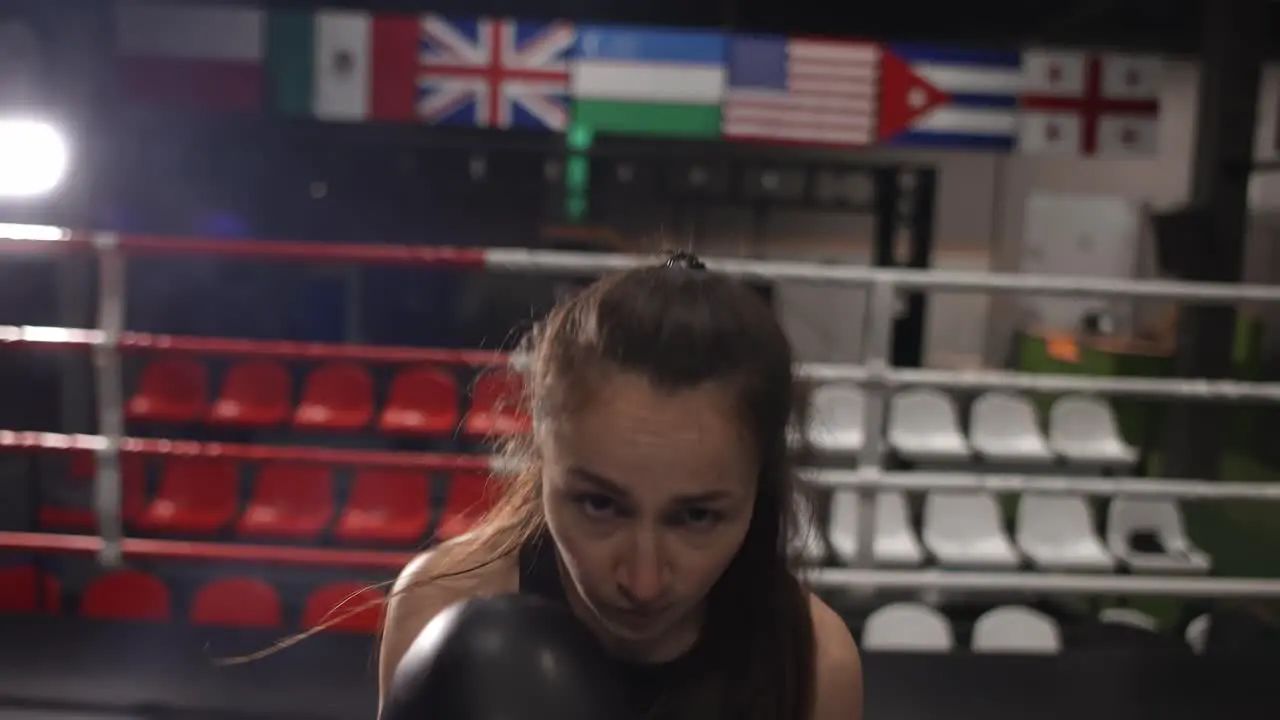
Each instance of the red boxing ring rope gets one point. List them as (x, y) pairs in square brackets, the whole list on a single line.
[(139, 548), (234, 347), (42, 240), (57, 337), (288, 251), (57, 442)]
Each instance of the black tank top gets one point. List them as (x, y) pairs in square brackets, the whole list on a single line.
[(646, 684)]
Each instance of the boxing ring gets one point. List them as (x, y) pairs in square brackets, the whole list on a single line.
[(110, 340), (107, 341)]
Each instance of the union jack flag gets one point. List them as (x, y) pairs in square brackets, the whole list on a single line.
[(494, 73)]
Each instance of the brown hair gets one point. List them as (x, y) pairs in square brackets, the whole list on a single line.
[(679, 326)]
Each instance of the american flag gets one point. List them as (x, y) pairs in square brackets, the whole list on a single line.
[(803, 91), (494, 73)]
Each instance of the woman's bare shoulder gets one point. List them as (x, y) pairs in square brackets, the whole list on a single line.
[(838, 686), (463, 567), (433, 581)]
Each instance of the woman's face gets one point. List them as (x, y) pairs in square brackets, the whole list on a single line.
[(648, 496)]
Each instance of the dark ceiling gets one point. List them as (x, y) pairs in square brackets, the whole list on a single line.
[(1171, 26)]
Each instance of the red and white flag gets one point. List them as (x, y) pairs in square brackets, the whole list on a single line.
[(804, 91), (1075, 103), (190, 56)]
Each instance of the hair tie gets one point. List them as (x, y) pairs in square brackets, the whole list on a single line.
[(685, 261)]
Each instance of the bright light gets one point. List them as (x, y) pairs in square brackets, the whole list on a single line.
[(11, 231), (33, 158)]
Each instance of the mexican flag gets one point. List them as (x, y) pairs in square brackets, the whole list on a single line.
[(342, 65)]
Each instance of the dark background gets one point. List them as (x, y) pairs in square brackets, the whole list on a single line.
[(169, 673), (1172, 26)]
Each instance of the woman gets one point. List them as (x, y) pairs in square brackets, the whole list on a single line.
[(653, 498)]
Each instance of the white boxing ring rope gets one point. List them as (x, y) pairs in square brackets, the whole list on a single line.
[(1048, 383), (877, 480), (833, 578), (873, 371), (584, 263)]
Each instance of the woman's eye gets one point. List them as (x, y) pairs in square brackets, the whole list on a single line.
[(697, 517), (597, 506)]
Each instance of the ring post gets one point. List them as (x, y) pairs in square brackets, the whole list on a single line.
[(108, 485), (877, 337)]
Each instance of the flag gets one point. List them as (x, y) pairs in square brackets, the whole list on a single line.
[(638, 81), (1077, 103), (949, 98), (343, 66), (803, 91), (494, 73), (191, 57)]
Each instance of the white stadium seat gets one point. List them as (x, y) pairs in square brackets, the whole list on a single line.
[(924, 427), (1014, 629), (964, 529), (1003, 429), (907, 627), (1197, 633), (1161, 518), (1083, 430), (1056, 532), (835, 422), (1129, 617), (895, 538)]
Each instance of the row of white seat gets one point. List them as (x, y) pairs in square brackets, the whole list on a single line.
[(967, 530), (1015, 629), (923, 426)]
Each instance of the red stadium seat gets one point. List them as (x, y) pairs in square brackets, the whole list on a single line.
[(423, 401), (84, 465), (126, 595), (170, 390), (337, 396), (290, 500), (352, 607), (470, 497), (386, 506), (255, 393), (133, 471), (196, 496), (237, 602), (495, 405), (24, 589)]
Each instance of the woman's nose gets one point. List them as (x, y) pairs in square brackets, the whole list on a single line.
[(641, 582)]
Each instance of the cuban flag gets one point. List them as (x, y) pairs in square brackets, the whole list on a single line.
[(940, 97)]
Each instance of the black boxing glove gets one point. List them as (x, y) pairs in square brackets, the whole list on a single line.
[(504, 658)]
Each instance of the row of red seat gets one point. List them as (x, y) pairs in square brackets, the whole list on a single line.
[(201, 496), (421, 400), (234, 602)]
